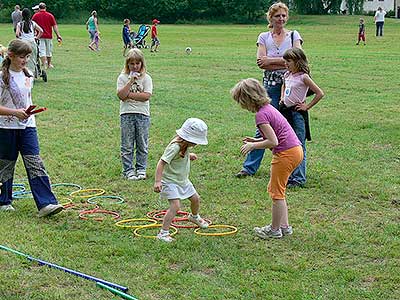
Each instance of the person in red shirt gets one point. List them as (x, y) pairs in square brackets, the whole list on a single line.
[(48, 23), (155, 42)]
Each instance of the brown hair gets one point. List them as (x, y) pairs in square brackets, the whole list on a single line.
[(250, 94), (273, 9), (135, 55), (299, 58), (19, 48)]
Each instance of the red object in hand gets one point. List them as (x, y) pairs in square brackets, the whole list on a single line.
[(30, 110)]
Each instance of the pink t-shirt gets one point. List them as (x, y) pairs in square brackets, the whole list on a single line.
[(295, 89), (286, 136)]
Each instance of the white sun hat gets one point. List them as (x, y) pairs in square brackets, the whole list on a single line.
[(194, 131)]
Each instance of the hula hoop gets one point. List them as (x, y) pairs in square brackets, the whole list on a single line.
[(150, 214), (22, 194), (76, 206), (234, 230), (187, 226), (98, 211), (19, 186), (97, 192), (121, 200), (55, 185), (163, 213), (120, 223), (136, 231)]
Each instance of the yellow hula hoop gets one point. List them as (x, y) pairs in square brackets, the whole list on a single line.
[(122, 222), (233, 231), (136, 231), (97, 192)]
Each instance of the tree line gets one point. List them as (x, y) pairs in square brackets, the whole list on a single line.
[(178, 11)]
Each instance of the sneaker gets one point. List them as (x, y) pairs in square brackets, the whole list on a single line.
[(242, 174), (7, 207), (141, 176), (287, 230), (198, 221), (49, 210), (267, 232), (130, 175), (165, 237)]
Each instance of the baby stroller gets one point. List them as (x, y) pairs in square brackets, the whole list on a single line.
[(38, 70), (139, 37)]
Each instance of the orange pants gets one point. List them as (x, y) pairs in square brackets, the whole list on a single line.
[(282, 165)]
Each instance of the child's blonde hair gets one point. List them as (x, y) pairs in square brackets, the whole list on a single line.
[(250, 94), (16, 47), (3, 51), (299, 58), (137, 56), (273, 9)]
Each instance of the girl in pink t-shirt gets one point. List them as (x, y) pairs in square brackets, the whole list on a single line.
[(278, 136), (293, 104)]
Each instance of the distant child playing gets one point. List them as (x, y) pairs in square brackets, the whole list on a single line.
[(172, 174), (18, 132), (134, 89), (126, 35), (155, 42), (278, 136), (3, 53), (293, 105), (361, 31)]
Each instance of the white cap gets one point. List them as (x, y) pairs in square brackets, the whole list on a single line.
[(194, 131), (35, 7)]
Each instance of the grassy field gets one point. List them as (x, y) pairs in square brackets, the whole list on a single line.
[(346, 243)]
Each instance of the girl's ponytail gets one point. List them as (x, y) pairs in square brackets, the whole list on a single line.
[(5, 66)]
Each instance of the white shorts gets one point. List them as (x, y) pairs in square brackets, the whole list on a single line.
[(45, 47), (173, 191)]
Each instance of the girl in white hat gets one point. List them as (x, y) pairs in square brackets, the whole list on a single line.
[(172, 174)]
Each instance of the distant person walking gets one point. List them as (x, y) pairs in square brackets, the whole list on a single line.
[(16, 16), (29, 31), (379, 19), (361, 31), (48, 23), (92, 26), (155, 42)]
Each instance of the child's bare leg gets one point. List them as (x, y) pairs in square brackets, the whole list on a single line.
[(174, 206), (279, 213), (195, 203)]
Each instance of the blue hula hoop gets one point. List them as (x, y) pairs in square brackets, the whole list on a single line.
[(92, 199)]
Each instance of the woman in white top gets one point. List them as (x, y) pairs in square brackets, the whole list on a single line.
[(379, 19), (29, 31)]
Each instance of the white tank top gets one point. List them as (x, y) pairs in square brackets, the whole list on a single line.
[(30, 36)]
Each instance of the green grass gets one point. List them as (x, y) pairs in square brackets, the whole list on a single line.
[(346, 243)]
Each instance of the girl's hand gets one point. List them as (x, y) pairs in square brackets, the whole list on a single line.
[(249, 139), (157, 186), (21, 114), (301, 107), (192, 156), (247, 147)]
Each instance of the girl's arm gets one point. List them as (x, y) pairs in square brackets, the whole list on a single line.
[(192, 156), (316, 89), (141, 97), (124, 94), (19, 113), (38, 31), (282, 92), (97, 25), (269, 142), (159, 171)]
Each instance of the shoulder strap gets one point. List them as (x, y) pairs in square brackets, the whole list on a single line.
[(292, 37)]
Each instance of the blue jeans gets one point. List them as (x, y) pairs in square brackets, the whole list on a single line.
[(24, 141), (298, 176), (134, 134), (379, 28), (254, 158)]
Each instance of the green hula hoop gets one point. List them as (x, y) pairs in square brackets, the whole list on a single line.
[(91, 200), (122, 222)]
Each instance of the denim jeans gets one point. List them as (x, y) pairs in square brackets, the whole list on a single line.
[(254, 158), (379, 28), (134, 135), (298, 176), (24, 141)]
